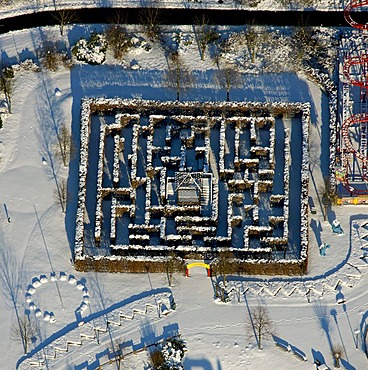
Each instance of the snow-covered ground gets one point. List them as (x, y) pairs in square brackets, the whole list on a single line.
[(36, 241)]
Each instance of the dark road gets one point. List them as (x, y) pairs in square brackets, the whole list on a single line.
[(187, 16)]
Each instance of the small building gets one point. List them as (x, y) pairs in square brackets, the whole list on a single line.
[(188, 187)]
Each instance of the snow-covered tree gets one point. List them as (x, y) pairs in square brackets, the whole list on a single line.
[(167, 356)]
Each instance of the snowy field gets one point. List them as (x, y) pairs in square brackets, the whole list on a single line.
[(37, 241)]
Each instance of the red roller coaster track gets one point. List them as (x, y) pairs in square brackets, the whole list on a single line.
[(360, 64), (354, 4), (361, 60), (352, 120)]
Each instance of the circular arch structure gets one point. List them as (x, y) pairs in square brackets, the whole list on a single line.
[(350, 7)]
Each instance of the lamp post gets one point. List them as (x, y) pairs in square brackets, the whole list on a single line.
[(356, 332)]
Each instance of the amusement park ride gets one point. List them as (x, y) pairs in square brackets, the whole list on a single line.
[(352, 150)]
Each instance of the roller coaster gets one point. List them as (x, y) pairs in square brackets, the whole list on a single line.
[(352, 150)]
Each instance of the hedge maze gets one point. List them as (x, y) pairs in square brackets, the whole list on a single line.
[(186, 178)]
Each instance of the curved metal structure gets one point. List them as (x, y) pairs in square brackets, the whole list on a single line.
[(356, 61), (355, 70), (356, 119), (349, 9)]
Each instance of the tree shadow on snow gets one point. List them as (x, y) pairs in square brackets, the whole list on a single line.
[(317, 355), (346, 365), (317, 229), (197, 364), (12, 276), (324, 319)]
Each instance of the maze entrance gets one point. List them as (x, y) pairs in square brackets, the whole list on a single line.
[(198, 264)]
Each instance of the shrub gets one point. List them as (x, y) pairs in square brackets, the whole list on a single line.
[(168, 356), (157, 360), (92, 51), (49, 55), (117, 40), (30, 65), (51, 60), (66, 60), (250, 3), (178, 345), (8, 72)]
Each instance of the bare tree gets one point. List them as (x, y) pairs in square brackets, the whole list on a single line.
[(260, 324), (172, 264), (224, 265), (61, 195), (327, 193), (23, 331), (118, 17), (254, 40), (149, 17), (117, 40), (6, 85), (117, 36), (64, 148), (228, 77), (205, 34), (64, 17), (337, 352), (302, 42), (177, 77), (216, 53)]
